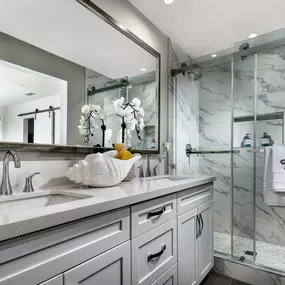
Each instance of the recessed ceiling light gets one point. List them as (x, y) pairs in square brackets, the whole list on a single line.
[(214, 55), (143, 69), (252, 36), (168, 1)]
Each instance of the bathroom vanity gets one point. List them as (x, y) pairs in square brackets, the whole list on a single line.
[(148, 231)]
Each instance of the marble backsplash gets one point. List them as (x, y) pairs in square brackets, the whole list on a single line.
[(53, 169)]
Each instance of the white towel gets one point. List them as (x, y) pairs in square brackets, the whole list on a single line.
[(273, 183), (268, 175), (272, 198), (274, 169), (278, 163)]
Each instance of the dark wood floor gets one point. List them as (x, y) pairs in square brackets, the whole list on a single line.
[(216, 279)]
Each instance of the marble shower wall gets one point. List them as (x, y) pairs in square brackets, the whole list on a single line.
[(187, 123), (215, 134), (184, 116)]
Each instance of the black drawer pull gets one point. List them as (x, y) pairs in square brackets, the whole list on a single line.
[(156, 255), (202, 224), (156, 213)]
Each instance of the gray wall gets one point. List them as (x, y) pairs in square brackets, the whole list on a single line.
[(26, 55)]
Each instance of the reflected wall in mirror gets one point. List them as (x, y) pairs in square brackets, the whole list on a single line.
[(30, 106), (50, 69)]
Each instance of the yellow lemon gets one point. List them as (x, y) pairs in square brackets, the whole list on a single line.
[(120, 146), (124, 155)]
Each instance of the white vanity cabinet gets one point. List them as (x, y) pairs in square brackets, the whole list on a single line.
[(205, 240), (168, 278), (188, 248), (195, 236), (112, 267), (163, 241)]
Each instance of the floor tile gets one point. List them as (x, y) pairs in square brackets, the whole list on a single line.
[(236, 282), (216, 279)]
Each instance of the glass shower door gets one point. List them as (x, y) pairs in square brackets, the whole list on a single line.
[(270, 99), (243, 157)]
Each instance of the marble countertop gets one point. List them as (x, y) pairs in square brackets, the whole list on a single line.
[(91, 201)]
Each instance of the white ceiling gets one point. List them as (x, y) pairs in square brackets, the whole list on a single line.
[(16, 81), (203, 27), (69, 30)]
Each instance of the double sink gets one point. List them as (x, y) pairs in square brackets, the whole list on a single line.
[(29, 201)]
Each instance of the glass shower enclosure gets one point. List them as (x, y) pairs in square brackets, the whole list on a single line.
[(237, 100)]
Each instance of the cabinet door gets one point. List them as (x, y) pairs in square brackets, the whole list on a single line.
[(111, 267), (29, 280), (168, 278), (187, 248), (205, 241), (58, 280)]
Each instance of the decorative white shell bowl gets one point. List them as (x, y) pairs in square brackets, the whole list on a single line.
[(101, 170)]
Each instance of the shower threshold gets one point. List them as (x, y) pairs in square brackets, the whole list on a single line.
[(268, 255)]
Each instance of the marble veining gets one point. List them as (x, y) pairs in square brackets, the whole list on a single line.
[(206, 110)]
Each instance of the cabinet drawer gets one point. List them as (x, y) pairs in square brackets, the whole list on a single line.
[(168, 278), (148, 215), (62, 248), (153, 253), (111, 267), (58, 280), (192, 198)]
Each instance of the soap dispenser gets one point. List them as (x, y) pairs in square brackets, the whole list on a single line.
[(266, 140), (246, 142)]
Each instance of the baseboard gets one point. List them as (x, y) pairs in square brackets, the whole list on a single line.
[(247, 272)]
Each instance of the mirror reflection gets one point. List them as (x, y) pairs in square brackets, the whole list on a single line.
[(74, 81)]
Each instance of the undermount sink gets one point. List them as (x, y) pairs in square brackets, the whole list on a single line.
[(171, 178), (36, 200)]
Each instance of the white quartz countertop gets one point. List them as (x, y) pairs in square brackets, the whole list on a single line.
[(95, 201)]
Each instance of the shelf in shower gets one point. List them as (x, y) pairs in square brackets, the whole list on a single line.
[(213, 151), (260, 117), (251, 149)]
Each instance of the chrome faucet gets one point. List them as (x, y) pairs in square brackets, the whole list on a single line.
[(148, 171), (5, 188), (29, 183)]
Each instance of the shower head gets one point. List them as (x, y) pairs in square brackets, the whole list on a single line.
[(196, 75), (244, 47)]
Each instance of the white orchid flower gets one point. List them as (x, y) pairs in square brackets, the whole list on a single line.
[(137, 102), (96, 108), (128, 113), (141, 112), (120, 112), (131, 124), (118, 103), (82, 129), (85, 109), (82, 120)]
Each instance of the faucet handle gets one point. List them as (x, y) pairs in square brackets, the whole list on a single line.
[(29, 183)]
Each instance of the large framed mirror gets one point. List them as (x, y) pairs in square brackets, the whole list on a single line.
[(73, 79)]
